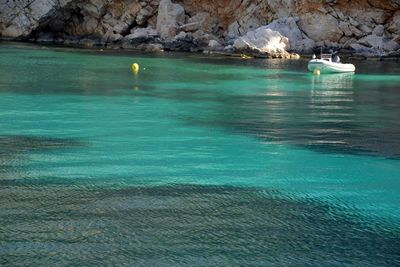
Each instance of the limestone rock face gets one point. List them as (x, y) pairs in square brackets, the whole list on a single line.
[(18, 18), (170, 17), (361, 25), (263, 40)]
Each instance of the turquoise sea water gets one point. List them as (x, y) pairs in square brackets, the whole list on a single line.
[(198, 160)]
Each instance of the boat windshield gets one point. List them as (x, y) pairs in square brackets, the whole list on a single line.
[(327, 57)]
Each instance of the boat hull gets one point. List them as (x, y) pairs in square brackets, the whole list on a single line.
[(325, 66)]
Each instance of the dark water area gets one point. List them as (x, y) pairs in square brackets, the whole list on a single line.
[(343, 113), (182, 225)]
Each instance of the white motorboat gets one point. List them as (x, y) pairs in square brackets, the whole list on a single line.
[(326, 65)]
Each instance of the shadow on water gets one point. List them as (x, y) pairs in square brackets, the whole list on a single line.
[(182, 225), (334, 113), (14, 148)]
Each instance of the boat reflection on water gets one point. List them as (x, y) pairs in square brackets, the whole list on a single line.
[(332, 81), (332, 91), (331, 112)]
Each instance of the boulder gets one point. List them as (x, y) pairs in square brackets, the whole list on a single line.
[(110, 36), (214, 45), (229, 49), (262, 40), (181, 42), (379, 30), (344, 26), (151, 48), (282, 8), (363, 50), (170, 17), (94, 8), (143, 32), (298, 41), (394, 25), (202, 38), (144, 14), (141, 35), (365, 30), (379, 45), (252, 18), (320, 27), (15, 31), (390, 45)]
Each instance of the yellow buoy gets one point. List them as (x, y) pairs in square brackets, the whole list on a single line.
[(135, 68), (317, 72)]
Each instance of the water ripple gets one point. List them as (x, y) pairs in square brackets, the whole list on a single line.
[(178, 225)]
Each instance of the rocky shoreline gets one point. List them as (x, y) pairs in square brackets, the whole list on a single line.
[(261, 28)]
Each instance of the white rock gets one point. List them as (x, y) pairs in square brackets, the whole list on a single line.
[(170, 17), (262, 40), (298, 41)]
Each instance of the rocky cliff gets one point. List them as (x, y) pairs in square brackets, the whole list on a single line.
[(361, 26)]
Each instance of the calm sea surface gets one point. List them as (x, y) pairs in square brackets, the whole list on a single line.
[(196, 161)]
